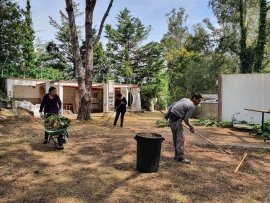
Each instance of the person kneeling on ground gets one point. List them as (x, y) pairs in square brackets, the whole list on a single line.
[(178, 112)]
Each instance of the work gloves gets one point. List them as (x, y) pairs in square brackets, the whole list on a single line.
[(192, 129), (41, 114), (167, 116), (60, 111)]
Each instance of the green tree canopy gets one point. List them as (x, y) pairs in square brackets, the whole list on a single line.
[(11, 38), (29, 55), (64, 43), (124, 44), (249, 20)]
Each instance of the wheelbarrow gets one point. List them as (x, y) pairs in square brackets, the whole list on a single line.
[(54, 134)]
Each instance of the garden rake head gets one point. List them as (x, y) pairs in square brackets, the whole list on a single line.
[(225, 151), (106, 122)]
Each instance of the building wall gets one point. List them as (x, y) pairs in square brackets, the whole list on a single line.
[(97, 97), (68, 93), (27, 93), (208, 110), (102, 99), (239, 91)]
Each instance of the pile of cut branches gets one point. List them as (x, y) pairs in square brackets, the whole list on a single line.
[(56, 122)]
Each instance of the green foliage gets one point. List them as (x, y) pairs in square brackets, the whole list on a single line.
[(213, 123), (147, 93), (226, 124), (242, 16), (52, 60), (257, 128), (130, 62), (177, 30), (194, 61), (103, 69), (266, 129), (29, 54), (156, 88), (56, 122), (162, 123), (11, 37), (207, 122), (125, 52), (261, 41), (61, 56)]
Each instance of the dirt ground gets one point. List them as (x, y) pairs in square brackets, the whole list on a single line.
[(98, 164)]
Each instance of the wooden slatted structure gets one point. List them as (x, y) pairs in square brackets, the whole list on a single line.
[(75, 102), (42, 92)]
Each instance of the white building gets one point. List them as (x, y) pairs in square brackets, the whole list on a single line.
[(103, 94)]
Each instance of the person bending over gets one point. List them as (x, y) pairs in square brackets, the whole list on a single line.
[(178, 112)]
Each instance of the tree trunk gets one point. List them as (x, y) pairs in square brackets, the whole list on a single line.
[(259, 54), (89, 9), (83, 96), (85, 75)]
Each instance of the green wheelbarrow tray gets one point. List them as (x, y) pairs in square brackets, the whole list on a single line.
[(53, 135), (57, 132)]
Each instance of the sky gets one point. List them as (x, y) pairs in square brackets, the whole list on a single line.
[(150, 12)]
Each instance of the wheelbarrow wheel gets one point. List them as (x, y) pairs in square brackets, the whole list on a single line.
[(60, 147)]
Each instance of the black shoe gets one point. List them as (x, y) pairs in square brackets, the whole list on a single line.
[(183, 160), (45, 142), (121, 126)]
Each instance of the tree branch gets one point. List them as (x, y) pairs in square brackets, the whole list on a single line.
[(102, 22), (63, 15), (75, 43)]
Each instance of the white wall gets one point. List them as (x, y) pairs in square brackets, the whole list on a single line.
[(239, 91), (136, 104), (26, 92), (68, 93), (108, 96)]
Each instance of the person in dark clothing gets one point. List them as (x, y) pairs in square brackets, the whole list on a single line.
[(51, 104), (120, 108)]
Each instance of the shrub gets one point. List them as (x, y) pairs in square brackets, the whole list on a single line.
[(213, 123)]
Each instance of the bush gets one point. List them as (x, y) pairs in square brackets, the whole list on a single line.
[(213, 123), (266, 129), (207, 122), (162, 123), (226, 124)]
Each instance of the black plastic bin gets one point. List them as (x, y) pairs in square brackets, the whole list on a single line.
[(148, 151)]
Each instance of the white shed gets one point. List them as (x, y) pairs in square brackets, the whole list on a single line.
[(103, 94)]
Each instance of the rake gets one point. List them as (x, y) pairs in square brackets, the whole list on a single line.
[(209, 141), (105, 123)]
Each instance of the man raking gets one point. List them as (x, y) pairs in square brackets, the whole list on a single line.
[(179, 111)]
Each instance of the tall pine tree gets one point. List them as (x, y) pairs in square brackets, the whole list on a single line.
[(29, 65), (125, 50)]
